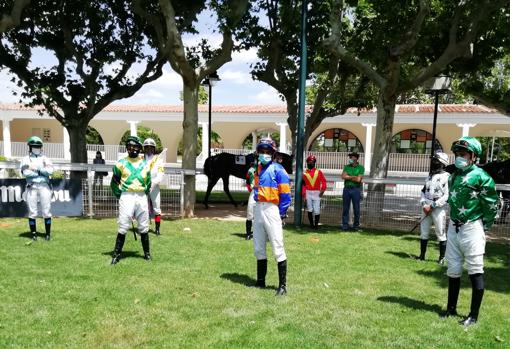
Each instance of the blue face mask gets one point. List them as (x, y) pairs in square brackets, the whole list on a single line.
[(461, 163), (350, 162), (264, 159)]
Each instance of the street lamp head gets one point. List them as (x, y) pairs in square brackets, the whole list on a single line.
[(438, 84), (211, 79)]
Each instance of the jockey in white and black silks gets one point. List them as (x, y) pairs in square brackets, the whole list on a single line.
[(157, 170), (434, 198)]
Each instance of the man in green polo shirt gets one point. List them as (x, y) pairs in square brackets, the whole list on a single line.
[(352, 175)]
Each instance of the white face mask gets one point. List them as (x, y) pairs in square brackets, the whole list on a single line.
[(36, 151)]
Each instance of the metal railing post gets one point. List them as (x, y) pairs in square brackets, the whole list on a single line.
[(181, 194), (90, 196)]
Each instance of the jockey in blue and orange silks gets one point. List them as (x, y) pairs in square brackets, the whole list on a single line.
[(272, 194)]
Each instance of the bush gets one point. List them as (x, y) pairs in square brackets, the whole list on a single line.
[(58, 174)]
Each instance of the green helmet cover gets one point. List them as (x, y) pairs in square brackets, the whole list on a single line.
[(468, 143), (133, 140), (35, 141)]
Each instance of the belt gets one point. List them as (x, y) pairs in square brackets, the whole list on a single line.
[(457, 224)]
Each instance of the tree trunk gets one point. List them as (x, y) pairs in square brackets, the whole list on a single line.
[(189, 156), (78, 147), (382, 148)]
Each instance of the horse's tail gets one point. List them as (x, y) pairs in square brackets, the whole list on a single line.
[(208, 166)]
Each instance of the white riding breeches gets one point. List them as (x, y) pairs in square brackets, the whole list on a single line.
[(251, 206), (438, 217), (133, 205), (267, 226), (39, 192), (155, 197), (468, 245), (313, 201)]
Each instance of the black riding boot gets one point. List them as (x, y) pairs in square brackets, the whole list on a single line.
[(310, 219), (442, 251), (317, 217), (119, 243), (423, 249), (249, 233), (282, 276), (47, 226), (477, 286), (145, 246), (157, 222), (453, 296), (261, 273), (33, 228)]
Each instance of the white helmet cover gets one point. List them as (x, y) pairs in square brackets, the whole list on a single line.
[(442, 157), (149, 142)]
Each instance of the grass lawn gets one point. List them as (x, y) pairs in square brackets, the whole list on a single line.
[(345, 290)]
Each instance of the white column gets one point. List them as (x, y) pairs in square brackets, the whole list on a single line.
[(254, 141), (368, 147), (205, 139), (465, 128), (132, 128), (283, 136), (6, 123), (67, 144)]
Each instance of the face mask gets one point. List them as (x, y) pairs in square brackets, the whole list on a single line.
[(436, 165), (461, 163), (264, 159), (310, 165), (36, 151), (133, 153), (350, 162)]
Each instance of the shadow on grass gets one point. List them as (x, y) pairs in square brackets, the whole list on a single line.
[(243, 280), (412, 303), (125, 254), (377, 232), (239, 235), (306, 229), (28, 235), (496, 279), (403, 255)]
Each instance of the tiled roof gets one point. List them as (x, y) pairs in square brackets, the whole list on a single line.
[(272, 109)]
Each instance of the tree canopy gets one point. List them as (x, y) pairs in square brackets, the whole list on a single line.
[(96, 52)]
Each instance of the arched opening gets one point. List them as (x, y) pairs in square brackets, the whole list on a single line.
[(413, 141), (143, 133), (216, 143), (262, 133), (93, 137), (336, 140)]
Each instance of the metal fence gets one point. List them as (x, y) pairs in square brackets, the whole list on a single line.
[(398, 209), (99, 202)]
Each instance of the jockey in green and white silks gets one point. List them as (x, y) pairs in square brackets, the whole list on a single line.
[(131, 183), (472, 203), (37, 169)]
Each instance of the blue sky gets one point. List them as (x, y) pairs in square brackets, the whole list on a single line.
[(235, 88)]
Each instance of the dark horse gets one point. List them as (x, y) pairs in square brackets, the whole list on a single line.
[(498, 170), (225, 164)]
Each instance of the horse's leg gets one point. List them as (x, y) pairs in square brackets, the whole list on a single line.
[(227, 191), (210, 184)]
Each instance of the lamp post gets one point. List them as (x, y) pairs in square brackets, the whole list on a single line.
[(210, 80), (436, 86)]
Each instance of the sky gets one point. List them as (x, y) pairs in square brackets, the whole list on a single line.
[(235, 88)]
